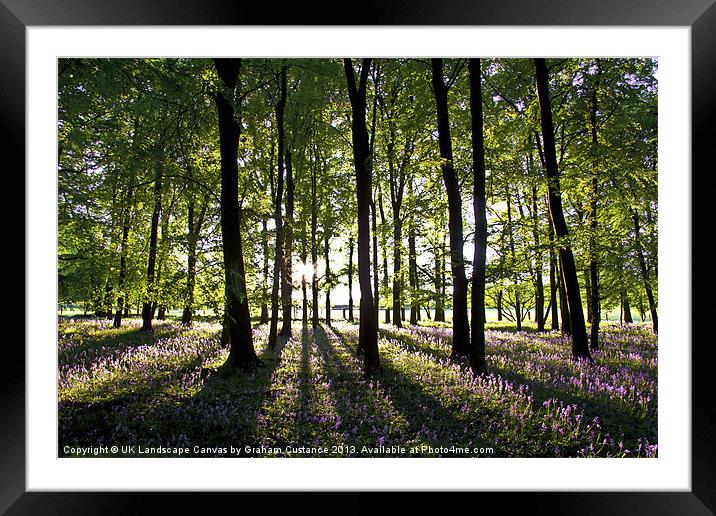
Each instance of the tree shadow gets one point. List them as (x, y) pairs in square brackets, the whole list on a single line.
[(88, 348), (177, 407), (610, 417), (362, 414), (429, 422), (406, 341)]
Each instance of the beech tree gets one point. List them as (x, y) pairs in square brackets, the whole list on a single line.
[(460, 326), (238, 320), (368, 333), (568, 268)]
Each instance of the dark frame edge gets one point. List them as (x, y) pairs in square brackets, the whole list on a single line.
[(12, 144), (13, 495), (703, 111)]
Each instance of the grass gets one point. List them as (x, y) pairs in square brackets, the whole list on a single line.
[(120, 387)]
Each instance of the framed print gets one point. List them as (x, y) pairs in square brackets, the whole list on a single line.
[(118, 399)]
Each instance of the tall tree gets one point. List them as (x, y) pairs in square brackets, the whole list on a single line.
[(594, 202), (568, 268), (314, 243), (241, 353), (278, 262), (460, 325), (351, 247), (477, 337), (194, 224), (149, 298), (368, 331), (287, 284)]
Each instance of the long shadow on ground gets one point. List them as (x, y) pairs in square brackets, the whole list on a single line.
[(157, 411), (429, 422)]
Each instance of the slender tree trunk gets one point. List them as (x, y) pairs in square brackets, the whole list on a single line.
[(188, 312), (278, 262), (287, 283), (148, 305), (160, 303), (107, 299), (593, 265), (376, 265), (645, 272), (304, 281), (626, 309), (563, 306), (499, 305), (264, 319), (439, 264), (350, 278), (368, 332), (580, 345), (241, 352), (477, 315), (327, 257), (518, 305), (461, 327), (588, 292), (539, 286), (413, 272), (552, 279), (397, 258), (314, 247), (443, 279), (385, 253), (123, 260)]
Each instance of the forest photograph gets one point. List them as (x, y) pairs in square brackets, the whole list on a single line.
[(357, 257)]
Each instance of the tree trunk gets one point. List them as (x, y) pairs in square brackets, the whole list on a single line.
[(368, 332), (413, 271), (539, 286), (593, 265), (477, 315), (327, 257), (563, 308), (159, 302), (518, 306), (645, 273), (278, 261), (376, 265), (439, 264), (580, 345), (350, 279), (241, 352), (553, 287), (264, 319), (188, 312), (107, 299), (588, 292), (287, 283), (304, 281), (499, 305), (123, 260), (460, 325), (148, 305), (397, 279), (314, 247), (626, 310), (385, 254)]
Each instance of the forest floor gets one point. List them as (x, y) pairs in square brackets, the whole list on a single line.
[(119, 387)]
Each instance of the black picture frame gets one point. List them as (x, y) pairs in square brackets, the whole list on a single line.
[(17, 15)]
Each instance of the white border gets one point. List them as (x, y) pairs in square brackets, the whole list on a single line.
[(670, 471)]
